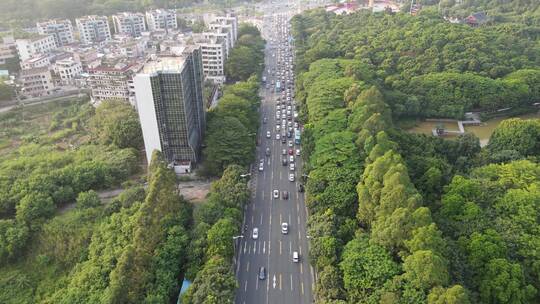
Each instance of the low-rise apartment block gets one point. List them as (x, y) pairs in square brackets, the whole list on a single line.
[(61, 30), (131, 24), (68, 70), (8, 49), (37, 82), (213, 53), (35, 46), (39, 61), (112, 81), (93, 29)]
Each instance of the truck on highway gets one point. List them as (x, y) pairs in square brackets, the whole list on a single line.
[(297, 136), (278, 86)]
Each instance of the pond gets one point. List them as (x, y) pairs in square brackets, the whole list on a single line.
[(483, 131)]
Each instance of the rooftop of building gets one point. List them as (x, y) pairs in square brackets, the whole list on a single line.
[(33, 71), (164, 64)]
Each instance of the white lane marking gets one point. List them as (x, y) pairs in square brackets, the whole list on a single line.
[(247, 267), (261, 218), (279, 175), (264, 247), (245, 247), (280, 280), (298, 220), (254, 247), (245, 286), (291, 283), (301, 268), (257, 283), (262, 195), (280, 247), (259, 247), (290, 247), (280, 218), (297, 207), (300, 250), (270, 221), (269, 248), (274, 281), (249, 249), (299, 235), (302, 286)]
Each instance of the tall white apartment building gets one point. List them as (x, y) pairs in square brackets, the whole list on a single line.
[(219, 36), (227, 29), (93, 29), (61, 30), (161, 19), (213, 54), (131, 24), (38, 45)]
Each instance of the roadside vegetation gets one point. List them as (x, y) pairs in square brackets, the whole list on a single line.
[(55, 157), (230, 144), (233, 124), (434, 221)]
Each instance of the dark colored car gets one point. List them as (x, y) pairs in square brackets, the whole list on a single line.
[(301, 188), (262, 273), (283, 140), (284, 161), (285, 195)]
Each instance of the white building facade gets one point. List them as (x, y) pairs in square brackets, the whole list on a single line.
[(40, 45), (37, 82), (131, 24), (161, 19), (93, 29), (61, 30), (68, 70)]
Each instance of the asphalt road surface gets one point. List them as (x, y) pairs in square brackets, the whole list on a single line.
[(286, 282)]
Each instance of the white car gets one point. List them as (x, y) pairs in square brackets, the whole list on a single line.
[(268, 135), (278, 127), (291, 159), (291, 177), (297, 152), (255, 234), (284, 152), (290, 143), (261, 165), (278, 136), (284, 228), (275, 194), (291, 167)]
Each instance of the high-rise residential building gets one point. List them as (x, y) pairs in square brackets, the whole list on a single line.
[(35, 46), (61, 30), (161, 19), (131, 24), (171, 108), (93, 29), (213, 53), (220, 36)]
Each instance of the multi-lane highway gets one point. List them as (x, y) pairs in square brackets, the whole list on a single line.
[(286, 281)]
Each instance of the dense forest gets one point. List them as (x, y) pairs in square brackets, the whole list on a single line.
[(436, 221), (411, 57)]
